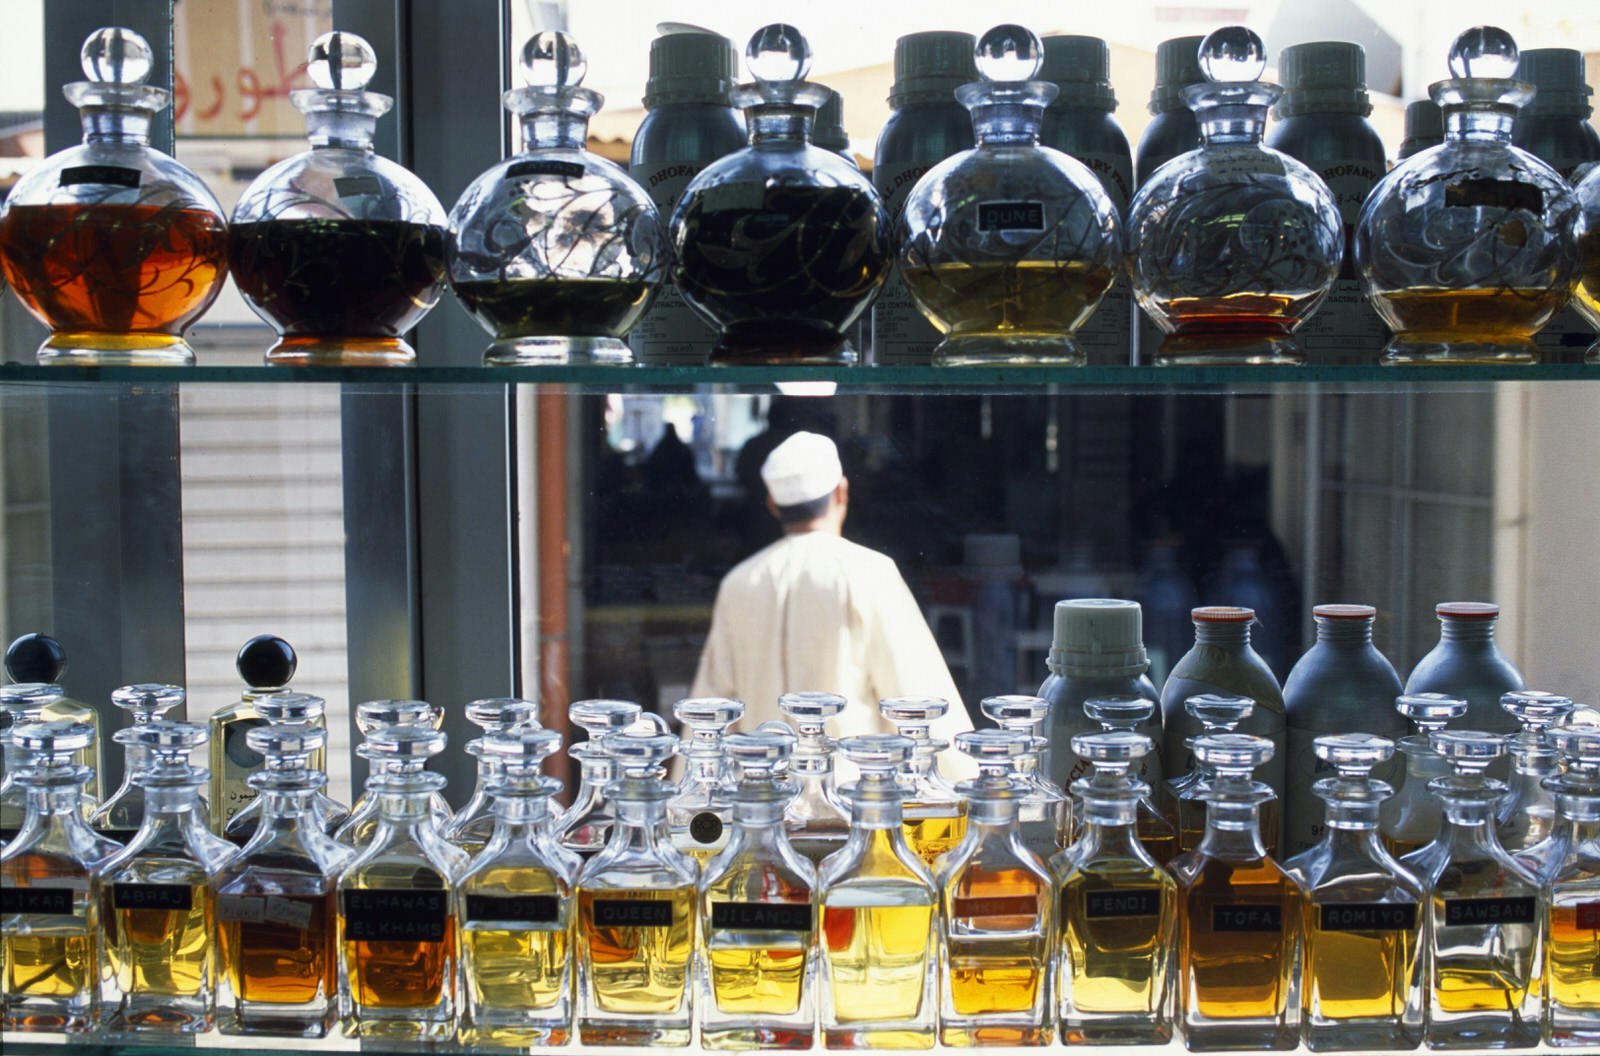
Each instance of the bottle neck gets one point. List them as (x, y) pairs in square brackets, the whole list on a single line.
[(405, 807), (1344, 632), (641, 822), (54, 800), (1010, 123), (991, 813), (341, 129), (1466, 631), (1231, 123), (758, 806), (875, 808), (1480, 123), (1346, 817), (1233, 830), (775, 123), (1111, 831), (1233, 634), (547, 130), (115, 125)]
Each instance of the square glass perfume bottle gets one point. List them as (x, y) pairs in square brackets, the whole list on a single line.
[(1133, 715), (758, 912), (516, 906), (121, 814), (1410, 819), (700, 814), (50, 887), (934, 815), (1043, 815), (1485, 937), (585, 826), (997, 909), (1118, 909), (375, 716), (266, 664), (472, 825), (159, 905), (1527, 815), (1361, 985), (637, 907), (1239, 927), (1572, 879), (277, 918), (398, 959), (297, 711), (817, 821)]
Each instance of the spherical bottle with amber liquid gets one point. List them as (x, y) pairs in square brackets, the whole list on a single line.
[(112, 244)]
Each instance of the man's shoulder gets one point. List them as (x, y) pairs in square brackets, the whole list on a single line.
[(815, 549)]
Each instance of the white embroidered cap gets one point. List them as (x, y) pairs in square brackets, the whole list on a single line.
[(802, 468)]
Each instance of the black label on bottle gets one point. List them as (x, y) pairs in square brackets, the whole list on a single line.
[(169, 897), (761, 916), (42, 901), (523, 909), (122, 836), (395, 916), (1495, 194), (994, 906), (1247, 918), (1370, 916), (1010, 216), (628, 913), (109, 175), (1467, 911), (357, 186), (705, 827), (1135, 902), (8, 834), (566, 169)]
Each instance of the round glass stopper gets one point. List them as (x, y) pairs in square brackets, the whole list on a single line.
[(1484, 51), (553, 60), (115, 55), (341, 61), (1233, 55), (778, 52), (1009, 53)]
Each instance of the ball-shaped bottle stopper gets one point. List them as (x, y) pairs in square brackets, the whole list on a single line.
[(115, 55), (552, 60), (1484, 51), (778, 53), (35, 658), (266, 662), (1233, 55), (1008, 54), (340, 61)]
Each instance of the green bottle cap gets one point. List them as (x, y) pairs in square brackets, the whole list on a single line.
[(1081, 68), (929, 67), (1558, 74), (1323, 77), (1424, 128), (1177, 67), (828, 130), (690, 65)]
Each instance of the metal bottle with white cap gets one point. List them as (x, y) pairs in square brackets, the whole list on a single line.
[(1468, 664), (1424, 128), (1322, 121), (1555, 128), (691, 123), (925, 126), (1172, 131), (1080, 122), (1098, 651)]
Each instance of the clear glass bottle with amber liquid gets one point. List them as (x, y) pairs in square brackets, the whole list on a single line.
[(39, 659), (266, 664), (1527, 816), (1485, 938), (878, 972), (1118, 909), (758, 913), (699, 815), (585, 826), (50, 895), (1239, 926), (637, 907), (158, 906), (112, 244), (997, 909), (121, 814), (1044, 811), (277, 921), (398, 959), (296, 711), (1571, 874), (376, 716), (935, 816), (515, 905), (1131, 715), (1361, 974), (1411, 818), (472, 825), (816, 821)]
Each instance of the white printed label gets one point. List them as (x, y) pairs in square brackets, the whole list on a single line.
[(671, 331), (1346, 329), (1105, 336), (901, 334), (286, 911), (247, 908)]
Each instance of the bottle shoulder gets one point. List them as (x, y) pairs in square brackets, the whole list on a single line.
[(923, 134), (1321, 140), (686, 133), (113, 174), (1085, 130), (334, 183)]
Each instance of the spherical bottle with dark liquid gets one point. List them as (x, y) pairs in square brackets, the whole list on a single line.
[(112, 244), (339, 248), (782, 245)]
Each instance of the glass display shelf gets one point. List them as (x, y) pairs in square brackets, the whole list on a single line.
[(1229, 379)]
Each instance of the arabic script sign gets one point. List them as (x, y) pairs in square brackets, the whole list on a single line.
[(238, 60)]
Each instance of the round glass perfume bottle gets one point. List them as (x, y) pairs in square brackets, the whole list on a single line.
[(339, 248), (112, 244), (782, 245), (1586, 231), (1009, 247), (1233, 245), (555, 251), (1468, 249)]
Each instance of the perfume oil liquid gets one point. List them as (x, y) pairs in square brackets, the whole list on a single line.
[(515, 308), (1021, 297), (1488, 314)]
